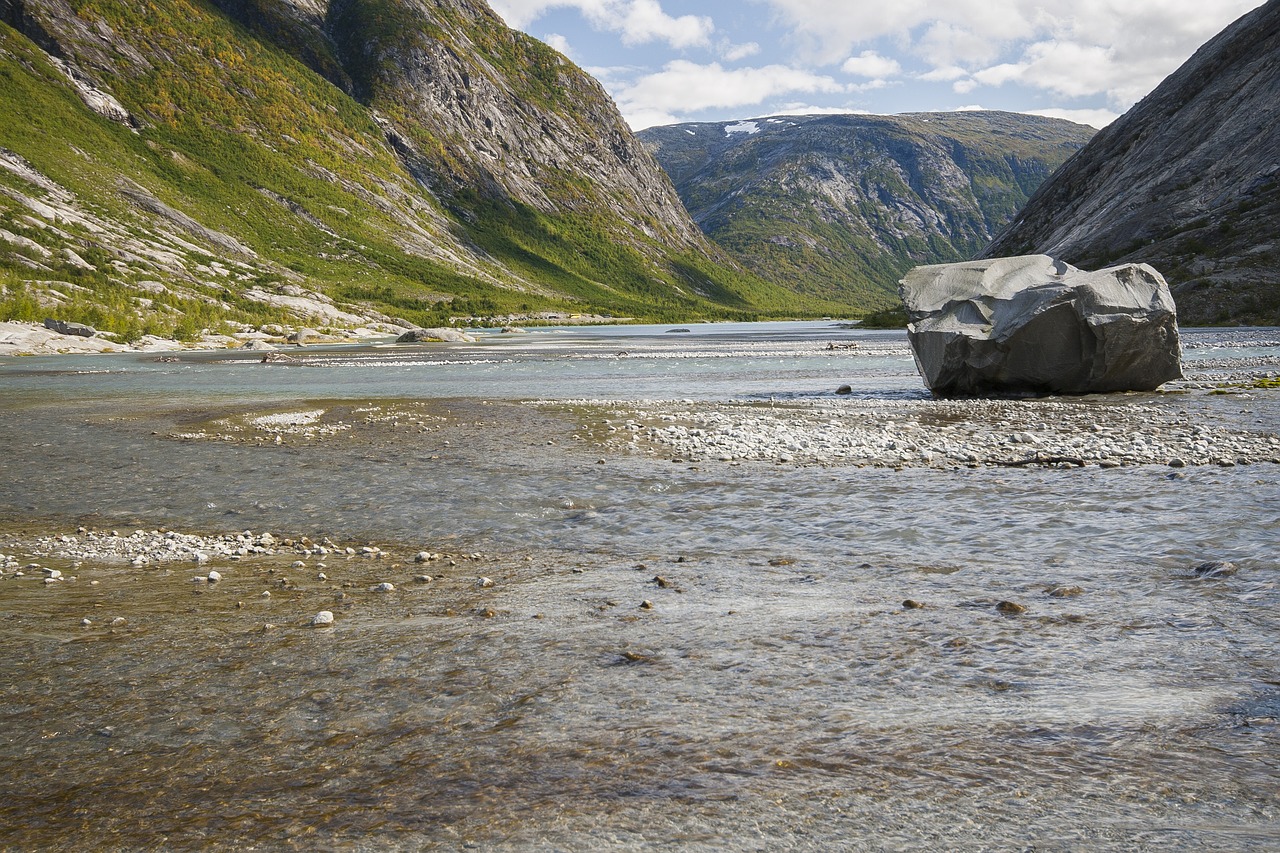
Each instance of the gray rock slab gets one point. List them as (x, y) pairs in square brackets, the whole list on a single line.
[(440, 334), (1035, 325)]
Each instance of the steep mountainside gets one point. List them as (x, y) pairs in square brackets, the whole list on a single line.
[(167, 164), (1187, 181), (841, 206)]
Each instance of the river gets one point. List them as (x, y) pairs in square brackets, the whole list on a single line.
[(792, 644)]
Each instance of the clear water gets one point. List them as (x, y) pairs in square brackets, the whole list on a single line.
[(775, 695)]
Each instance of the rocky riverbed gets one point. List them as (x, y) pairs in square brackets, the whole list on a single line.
[(1100, 431)]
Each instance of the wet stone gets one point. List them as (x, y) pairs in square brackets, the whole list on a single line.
[(1215, 569)]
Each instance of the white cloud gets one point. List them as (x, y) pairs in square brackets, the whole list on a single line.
[(871, 64), (735, 52), (559, 42), (644, 21), (945, 74), (683, 86), (1093, 118), (1072, 48), (637, 21)]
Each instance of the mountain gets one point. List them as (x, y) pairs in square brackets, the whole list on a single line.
[(169, 165), (1187, 181), (841, 206)]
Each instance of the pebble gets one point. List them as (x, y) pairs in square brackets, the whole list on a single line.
[(214, 576), (646, 605), (324, 617), (912, 604), (383, 587), (1010, 607), (906, 434), (484, 582)]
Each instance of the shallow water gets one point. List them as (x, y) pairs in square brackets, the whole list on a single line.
[(775, 693)]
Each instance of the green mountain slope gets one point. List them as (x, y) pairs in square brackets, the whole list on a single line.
[(839, 207), (165, 166)]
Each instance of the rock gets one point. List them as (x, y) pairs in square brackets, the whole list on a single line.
[(845, 389), (912, 604), (214, 576), (417, 336), (484, 583), (62, 327), (1033, 325), (383, 587), (324, 617), (258, 345), (1010, 607), (1215, 569)]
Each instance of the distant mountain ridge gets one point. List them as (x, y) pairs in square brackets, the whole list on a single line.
[(167, 165), (1187, 181), (841, 206)]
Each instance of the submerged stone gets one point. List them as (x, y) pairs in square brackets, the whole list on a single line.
[(1035, 325)]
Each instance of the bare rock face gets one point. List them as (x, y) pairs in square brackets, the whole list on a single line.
[(1188, 181), (1034, 325)]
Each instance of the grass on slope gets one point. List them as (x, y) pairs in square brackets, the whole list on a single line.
[(246, 140)]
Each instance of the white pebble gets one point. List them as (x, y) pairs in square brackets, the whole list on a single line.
[(383, 587), (324, 617), (484, 582)]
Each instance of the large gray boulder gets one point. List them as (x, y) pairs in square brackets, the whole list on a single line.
[(1035, 325), (64, 327), (417, 336)]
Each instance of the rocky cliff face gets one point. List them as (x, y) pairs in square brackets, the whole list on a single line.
[(407, 158), (842, 206), (1187, 181)]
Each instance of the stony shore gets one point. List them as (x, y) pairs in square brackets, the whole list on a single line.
[(259, 564), (19, 338), (946, 433)]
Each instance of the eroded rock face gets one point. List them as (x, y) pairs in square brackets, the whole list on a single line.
[(1034, 325)]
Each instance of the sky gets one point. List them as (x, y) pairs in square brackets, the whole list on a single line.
[(671, 61)]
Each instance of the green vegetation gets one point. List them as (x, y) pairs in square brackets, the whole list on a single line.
[(841, 207), (890, 318), (253, 160)]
